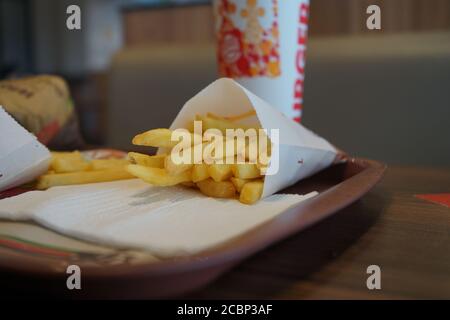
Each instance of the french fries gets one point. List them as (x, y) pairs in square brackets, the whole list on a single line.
[(160, 138), (158, 177), (173, 169), (155, 138), (62, 179), (209, 122), (156, 161), (251, 192), (213, 175), (222, 189), (67, 168), (220, 172), (68, 162), (238, 183), (246, 171), (101, 164), (200, 172)]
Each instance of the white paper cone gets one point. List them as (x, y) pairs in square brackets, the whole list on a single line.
[(301, 152)]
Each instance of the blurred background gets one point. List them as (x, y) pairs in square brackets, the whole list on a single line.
[(382, 94)]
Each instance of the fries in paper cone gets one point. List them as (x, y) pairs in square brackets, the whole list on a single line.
[(229, 143)]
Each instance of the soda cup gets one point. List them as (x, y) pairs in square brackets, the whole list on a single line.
[(261, 44)]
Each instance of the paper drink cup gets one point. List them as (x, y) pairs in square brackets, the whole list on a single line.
[(261, 44)]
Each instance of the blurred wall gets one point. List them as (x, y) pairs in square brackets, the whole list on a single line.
[(15, 53), (75, 52), (56, 49), (382, 97), (332, 17)]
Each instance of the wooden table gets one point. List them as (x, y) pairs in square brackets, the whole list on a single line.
[(407, 237)]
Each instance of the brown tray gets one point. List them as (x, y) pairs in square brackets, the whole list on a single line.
[(113, 274)]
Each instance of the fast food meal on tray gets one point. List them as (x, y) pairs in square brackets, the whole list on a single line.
[(214, 176), (225, 142)]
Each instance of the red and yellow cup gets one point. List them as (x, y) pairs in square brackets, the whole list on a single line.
[(261, 44)]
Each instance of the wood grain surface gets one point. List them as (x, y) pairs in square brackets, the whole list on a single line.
[(407, 237)]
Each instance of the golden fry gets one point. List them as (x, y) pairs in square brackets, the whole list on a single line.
[(230, 148), (214, 116), (155, 138), (156, 161), (61, 179), (251, 192), (246, 171), (220, 124), (238, 183), (200, 172), (160, 138), (211, 188), (186, 158), (220, 172), (173, 169), (157, 176), (69, 163), (101, 164)]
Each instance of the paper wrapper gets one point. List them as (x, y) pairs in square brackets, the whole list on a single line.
[(22, 156), (301, 152)]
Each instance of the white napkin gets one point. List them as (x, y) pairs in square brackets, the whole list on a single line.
[(22, 156), (130, 213)]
